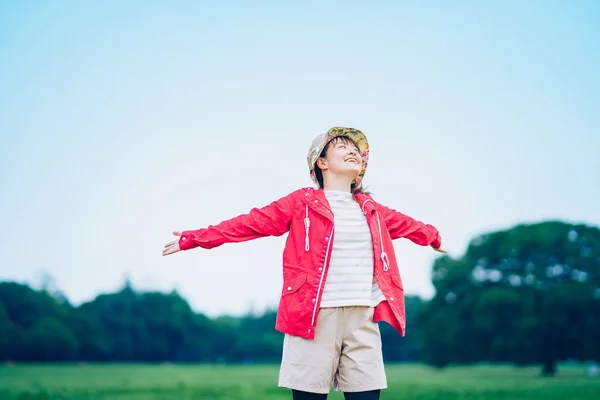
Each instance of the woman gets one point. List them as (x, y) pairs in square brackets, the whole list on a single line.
[(340, 275)]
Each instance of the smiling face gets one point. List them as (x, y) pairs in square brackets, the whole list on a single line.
[(340, 158)]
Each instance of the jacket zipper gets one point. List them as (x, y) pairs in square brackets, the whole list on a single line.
[(383, 255), (321, 281)]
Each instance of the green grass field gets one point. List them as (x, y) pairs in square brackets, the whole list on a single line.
[(406, 382)]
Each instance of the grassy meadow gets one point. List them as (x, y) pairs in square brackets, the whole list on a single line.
[(406, 382)]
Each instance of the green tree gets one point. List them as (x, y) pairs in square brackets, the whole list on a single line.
[(255, 339), (527, 295), (24, 315), (95, 343), (406, 348), (10, 342), (152, 326), (50, 340), (26, 306)]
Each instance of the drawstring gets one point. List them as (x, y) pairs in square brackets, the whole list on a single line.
[(363, 206), (306, 227), (383, 255), (386, 261)]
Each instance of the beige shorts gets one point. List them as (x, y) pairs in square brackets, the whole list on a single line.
[(346, 351)]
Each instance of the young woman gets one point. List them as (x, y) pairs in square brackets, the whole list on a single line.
[(340, 275)]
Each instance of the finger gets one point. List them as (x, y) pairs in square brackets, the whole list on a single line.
[(170, 250), (171, 243), (177, 233)]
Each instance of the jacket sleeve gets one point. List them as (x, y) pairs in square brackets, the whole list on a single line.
[(402, 226), (271, 220)]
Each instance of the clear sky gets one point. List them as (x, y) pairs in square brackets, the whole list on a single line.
[(123, 121)]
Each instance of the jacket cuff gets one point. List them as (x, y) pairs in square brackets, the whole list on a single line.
[(186, 241), (437, 242)]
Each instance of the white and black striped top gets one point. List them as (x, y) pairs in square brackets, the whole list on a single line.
[(350, 280)]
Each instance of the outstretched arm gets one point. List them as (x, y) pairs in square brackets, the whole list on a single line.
[(402, 226), (271, 220)]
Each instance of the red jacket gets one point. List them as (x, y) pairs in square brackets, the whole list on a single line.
[(306, 215)]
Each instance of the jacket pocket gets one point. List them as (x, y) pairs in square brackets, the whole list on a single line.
[(397, 282), (292, 285)]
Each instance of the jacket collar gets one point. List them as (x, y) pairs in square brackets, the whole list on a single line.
[(316, 200), (367, 204), (321, 204)]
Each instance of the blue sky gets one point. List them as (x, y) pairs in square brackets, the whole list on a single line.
[(123, 121)]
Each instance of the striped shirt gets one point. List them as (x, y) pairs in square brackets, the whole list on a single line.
[(350, 280)]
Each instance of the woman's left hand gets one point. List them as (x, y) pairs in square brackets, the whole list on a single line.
[(440, 250), (172, 247)]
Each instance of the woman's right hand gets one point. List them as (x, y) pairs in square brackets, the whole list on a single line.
[(172, 247)]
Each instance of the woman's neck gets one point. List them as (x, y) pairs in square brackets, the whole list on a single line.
[(341, 184)]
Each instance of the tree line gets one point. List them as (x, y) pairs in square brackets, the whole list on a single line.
[(526, 295), (125, 326)]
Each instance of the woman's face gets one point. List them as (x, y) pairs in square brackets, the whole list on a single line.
[(342, 158)]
